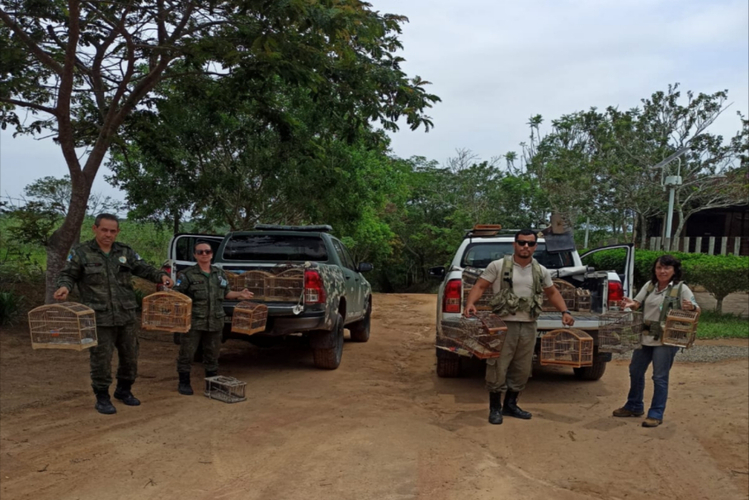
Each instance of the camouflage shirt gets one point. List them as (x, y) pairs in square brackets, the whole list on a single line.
[(105, 281), (207, 294)]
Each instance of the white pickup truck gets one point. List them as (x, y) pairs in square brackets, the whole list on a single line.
[(559, 256)]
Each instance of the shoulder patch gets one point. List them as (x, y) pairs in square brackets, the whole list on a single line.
[(71, 255), (137, 257)]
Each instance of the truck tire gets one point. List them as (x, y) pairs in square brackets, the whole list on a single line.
[(360, 329), (594, 372), (330, 358), (448, 364)]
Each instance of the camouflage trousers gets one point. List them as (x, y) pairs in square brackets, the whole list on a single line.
[(189, 345), (513, 368), (125, 340)]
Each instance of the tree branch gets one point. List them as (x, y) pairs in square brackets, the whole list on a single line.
[(25, 104), (43, 57)]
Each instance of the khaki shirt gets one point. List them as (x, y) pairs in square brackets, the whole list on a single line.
[(207, 294), (522, 283), (651, 308)]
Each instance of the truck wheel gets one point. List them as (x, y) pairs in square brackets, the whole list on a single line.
[(360, 329), (448, 364), (330, 358), (594, 372)]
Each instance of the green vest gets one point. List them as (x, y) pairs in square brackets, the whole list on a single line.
[(670, 301), (506, 303)]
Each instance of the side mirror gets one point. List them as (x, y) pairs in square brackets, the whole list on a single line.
[(364, 267), (437, 273)]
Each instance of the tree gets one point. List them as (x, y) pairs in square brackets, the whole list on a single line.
[(54, 195), (86, 66)]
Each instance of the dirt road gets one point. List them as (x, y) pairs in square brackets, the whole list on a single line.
[(382, 426)]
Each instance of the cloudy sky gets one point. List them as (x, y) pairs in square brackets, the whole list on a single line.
[(496, 63)]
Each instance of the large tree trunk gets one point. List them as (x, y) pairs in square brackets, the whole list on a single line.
[(643, 231)]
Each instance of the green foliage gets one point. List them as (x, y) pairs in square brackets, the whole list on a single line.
[(33, 224), (11, 305), (716, 325)]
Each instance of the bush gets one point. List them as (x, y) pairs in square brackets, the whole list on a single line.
[(10, 307)]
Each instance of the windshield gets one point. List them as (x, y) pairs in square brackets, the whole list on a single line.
[(275, 247), (480, 254)]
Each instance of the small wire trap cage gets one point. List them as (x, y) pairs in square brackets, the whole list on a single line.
[(249, 318), (255, 281), (286, 286), (568, 294), (567, 347), (482, 335), (469, 278), (681, 328), (167, 312), (583, 300), (226, 389), (619, 331), (67, 325)]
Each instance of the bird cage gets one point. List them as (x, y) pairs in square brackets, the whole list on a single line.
[(583, 300), (67, 325), (286, 286), (567, 347), (567, 290), (249, 318), (167, 311), (236, 281), (226, 389), (619, 331), (681, 328), (470, 277), (482, 335), (255, 282)]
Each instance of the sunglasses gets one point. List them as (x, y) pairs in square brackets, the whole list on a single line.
[(526, 243), (203, 252)]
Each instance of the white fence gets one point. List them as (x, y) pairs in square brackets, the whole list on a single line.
[(710, 245)]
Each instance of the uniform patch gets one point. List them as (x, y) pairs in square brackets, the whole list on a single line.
[(198, 282), (71, 255), (223, 283), (123, 259), (93, 264), (137, 257)]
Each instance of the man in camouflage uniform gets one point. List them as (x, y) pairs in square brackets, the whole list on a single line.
[(103, 270), (207, 286), (519, 284)]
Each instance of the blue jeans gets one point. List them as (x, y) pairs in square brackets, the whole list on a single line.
[(662, 358)]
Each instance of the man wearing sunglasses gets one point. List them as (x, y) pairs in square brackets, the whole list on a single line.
[(207, 286), (519, 284)]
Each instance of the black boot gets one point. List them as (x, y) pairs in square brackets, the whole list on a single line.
[(495, 408), (103, 403), (123, 393), (511, 408), (211, 373), (184, 384)]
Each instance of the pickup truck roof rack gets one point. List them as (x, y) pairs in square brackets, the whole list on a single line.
[(486, 231), (321, 228)]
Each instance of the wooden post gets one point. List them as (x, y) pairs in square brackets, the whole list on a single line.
[(657, 243), (736, 246), (711, 246), (698, 244), (686, 244), (652, 243), (675, 244), (723, 245)]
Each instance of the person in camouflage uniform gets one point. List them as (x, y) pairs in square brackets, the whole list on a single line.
[(207, 286), (519, 284), (103, 270)]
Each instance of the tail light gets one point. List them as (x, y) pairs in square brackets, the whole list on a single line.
[(616, 292), (451, 297), (314, 292)]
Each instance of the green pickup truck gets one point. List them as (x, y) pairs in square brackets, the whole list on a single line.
[(334, 294)]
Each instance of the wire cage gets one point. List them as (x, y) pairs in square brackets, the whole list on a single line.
[(286, 286), (583, 300), (236, 281), (226, 389), (249, 318), (66, 325), (681, 328), (167, 311), (568, 294), (619, 331), (470, 277), (567, 347), (482, 335), (255, 281)]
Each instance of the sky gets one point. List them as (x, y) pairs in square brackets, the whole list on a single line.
[(495, 63)]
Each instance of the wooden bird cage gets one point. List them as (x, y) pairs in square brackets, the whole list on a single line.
[(567, 347), (470, 277), (167, 311), (286, 286), (249, 318), (482, 335), (567, 290), (255, 281), (236, 281), (67, 325), (681, 328), (583, 300), (226, 389), (619, 331)]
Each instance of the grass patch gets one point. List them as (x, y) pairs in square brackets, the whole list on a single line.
[(714, 325)]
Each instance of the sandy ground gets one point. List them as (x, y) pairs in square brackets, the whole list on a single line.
[(382, 426)]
